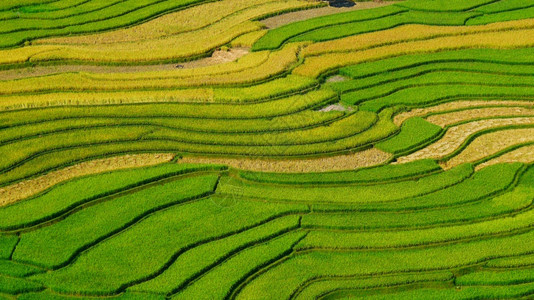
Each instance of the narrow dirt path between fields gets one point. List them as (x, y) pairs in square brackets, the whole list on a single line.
[(27, 188), (280, 20), (218, 57), (361, 159)]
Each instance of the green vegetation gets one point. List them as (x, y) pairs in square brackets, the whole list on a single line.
[(349, 194), (402, 18), (325, 287), (313, 264), (260, 210), (11, 285), (274, 38), (7, 244), (28, 24), (15, 269), (71, 195), (443, 5), (444, 12), (66, 239), (368, 175), (156, 241), (175, 277), (414, 133)]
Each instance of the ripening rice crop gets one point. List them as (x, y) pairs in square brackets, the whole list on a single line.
[(492, 143), (513, 36), (376, 153), (457, 136)]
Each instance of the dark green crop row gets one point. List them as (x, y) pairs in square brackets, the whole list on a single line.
[(426, 95), (503, 6), (7, 244), (478, 208), (276, 37), (79, 192), (15, 269), (446, 5), (356, 195), (333, 286), (443, 12), (441, 291), (175, 278), (162, 230), (13, 285), (151, 246), (498, 61), (281, 280), (403, 18), (483, 184), (437, 85), (415, 132), (11, 4), (423, 79), (59, 243)]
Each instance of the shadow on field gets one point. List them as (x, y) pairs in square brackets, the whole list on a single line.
[(341, 3)]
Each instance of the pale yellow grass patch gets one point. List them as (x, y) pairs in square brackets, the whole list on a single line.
[(523, 154), (361, 159), (454, 105), (490, 144), (457, 135), (27, 188)]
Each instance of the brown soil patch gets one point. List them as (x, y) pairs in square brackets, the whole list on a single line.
[(490, 144), (523, 154), (361, 159), (456, 135), (422, 112), (218, 57), (291, 17), (452, 118), (24, 189)]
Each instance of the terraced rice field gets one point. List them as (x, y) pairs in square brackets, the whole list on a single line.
[(266, 149)]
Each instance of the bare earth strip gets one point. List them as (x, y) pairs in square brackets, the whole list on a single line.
[(455, 105), (24, 189), (456, 136), (291, 17), (523, 154), (361, 159), (218, 57), (490, 144)]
